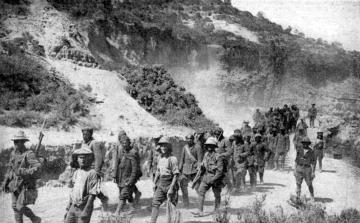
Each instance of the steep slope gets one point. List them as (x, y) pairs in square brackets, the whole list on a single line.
[(116, 108), (65, 50)]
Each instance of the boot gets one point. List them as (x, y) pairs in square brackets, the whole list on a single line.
[(154, 214), (28, 213)]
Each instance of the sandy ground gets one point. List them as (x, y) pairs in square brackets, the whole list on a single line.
[(336, 188)]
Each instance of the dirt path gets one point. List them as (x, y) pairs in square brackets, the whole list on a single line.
[(336, 188)]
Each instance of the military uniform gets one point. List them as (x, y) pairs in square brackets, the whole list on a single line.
[(261, 155), (240, 164), (85, 183), (167, 167), (312, 112), (246, 130), (214, 167), (126, 173), (225, 149), (250, 163), (282, 147), (20, 179), (304, 161), (191, 158), (319, 151), (24, 169), (271, 143), (166, 178)]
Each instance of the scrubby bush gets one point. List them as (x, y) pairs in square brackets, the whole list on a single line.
[(155, 90), (28, 91), (310, 213)]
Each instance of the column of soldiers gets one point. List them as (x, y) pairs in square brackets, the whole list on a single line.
[(208, 160)]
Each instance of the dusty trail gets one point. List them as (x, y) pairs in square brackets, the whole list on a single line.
[(336, 188)]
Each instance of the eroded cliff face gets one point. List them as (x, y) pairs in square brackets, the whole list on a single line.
[(257, 64)]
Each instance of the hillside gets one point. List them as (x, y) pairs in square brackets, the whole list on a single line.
[(48, 42), (256, 62)]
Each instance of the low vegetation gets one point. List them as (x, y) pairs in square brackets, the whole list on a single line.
[(29, 91), (155, 90), (310, 213)]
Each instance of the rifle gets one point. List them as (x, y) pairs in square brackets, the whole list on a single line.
[(41, 136), (197, 177)]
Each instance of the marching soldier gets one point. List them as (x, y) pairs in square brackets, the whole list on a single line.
[(302, 124), (319, 149), (99, 152), (262, 154), (126, 174), (240, 161), (282, 147), (191, 158), (305, 167), (85, 187), (271, 142), (166, 178), (246, 129), (312, 113), (225, 150), (258, 118), (118, 152), (213, 168), (251, 164), (20, 180)]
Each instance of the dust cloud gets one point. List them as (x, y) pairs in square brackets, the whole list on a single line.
[(204, 83)]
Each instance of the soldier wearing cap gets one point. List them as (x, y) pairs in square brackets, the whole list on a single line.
[(126, 173), (312, 113), (213, 166), (250, 161), (262, 153), (302, 125), (319, 149), (258, 117), (118, 152), (305, 167), (85, 187), (99, 152), (226, 151), (20, 179), (246, 129), (241, 153), (166, 178), (282, 147), (271, 143), (191, 158)]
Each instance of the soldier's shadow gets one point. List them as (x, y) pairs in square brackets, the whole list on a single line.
[(323, 200), (329, 171), (258, 189)]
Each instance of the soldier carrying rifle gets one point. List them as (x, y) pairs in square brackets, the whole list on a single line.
[(20, 180), (212, 169)]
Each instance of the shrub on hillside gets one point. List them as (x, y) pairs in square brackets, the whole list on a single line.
[(155, 90), (29, 90)]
